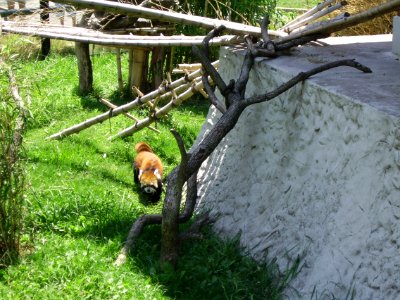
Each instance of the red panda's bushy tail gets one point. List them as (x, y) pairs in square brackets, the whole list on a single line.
[(142, 146)]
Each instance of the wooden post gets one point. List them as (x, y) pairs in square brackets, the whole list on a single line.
[(44, 18), (84, 67), (158, 61), (84, 63), (137, 60), (119, 68)]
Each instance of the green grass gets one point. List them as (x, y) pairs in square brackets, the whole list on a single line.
[(81, 201), (297, 3)]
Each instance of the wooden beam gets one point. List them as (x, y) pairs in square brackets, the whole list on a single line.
[(166, 16)]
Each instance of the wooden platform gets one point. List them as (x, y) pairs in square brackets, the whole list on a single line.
[(78, 34)]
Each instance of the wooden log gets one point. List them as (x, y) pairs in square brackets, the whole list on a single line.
[(141, 30), (83, 35), (119, 69), (345, 22), (113, 106), (161, 112), (316, 16), (309, 13), (136, 67), (24, 12), (322, 23), (166, 16), (27, 11), (126, 107), (107, 115), (183, 68)]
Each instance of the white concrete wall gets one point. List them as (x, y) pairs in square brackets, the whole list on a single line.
[(313, 174), (396, 35)]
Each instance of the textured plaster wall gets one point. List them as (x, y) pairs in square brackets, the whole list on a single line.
[(313, 173)]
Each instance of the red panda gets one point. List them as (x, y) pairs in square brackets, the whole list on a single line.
[(148, 170)]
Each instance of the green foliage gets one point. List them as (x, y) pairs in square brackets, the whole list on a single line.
[(297, 3), (12, 178), (82, 202), (242, 11)]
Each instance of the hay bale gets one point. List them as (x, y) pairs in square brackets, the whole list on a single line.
[(380, 25)]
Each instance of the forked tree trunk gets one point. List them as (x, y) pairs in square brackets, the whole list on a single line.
[(235, 103)]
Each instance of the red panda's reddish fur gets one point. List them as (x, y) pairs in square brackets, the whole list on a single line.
[(148, 170)]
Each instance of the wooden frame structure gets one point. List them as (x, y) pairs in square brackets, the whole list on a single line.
[(303, 29)]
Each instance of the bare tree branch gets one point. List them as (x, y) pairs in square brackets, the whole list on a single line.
[(191, 198), (135, 231), (212, 34), (300, 41), (264, 29), (209, 69), (211, 95), (181, 145), (303, 76), (193, 232), (240, 85), (156, 219)]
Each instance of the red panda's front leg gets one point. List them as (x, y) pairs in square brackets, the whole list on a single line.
[(135, 173)]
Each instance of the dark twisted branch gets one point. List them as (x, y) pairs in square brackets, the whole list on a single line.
[(264, 29), (187, 171), (282, 46), (134, 232), (191, 197), (241, 83), (156, 219), (303, 76), (208, 68), (170, 212), (211, 95), (237, 103)]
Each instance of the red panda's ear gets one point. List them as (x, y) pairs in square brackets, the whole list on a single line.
[(157, 173)]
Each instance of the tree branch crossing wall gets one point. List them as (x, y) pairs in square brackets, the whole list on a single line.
[(315, 172)]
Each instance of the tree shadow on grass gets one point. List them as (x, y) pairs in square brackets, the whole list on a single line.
[(210, 268)]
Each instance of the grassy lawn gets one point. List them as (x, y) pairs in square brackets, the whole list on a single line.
[(81, 201), (297, 3)]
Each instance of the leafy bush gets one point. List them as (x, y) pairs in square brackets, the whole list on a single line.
[(11, 185)]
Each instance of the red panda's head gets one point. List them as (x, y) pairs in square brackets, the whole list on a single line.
[(150, 181)]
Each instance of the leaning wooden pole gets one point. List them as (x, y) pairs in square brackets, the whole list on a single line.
[(309, 13), (113, 106), (126, 107), (316, 16), (345, 22), (83, 35), (161, 112)]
